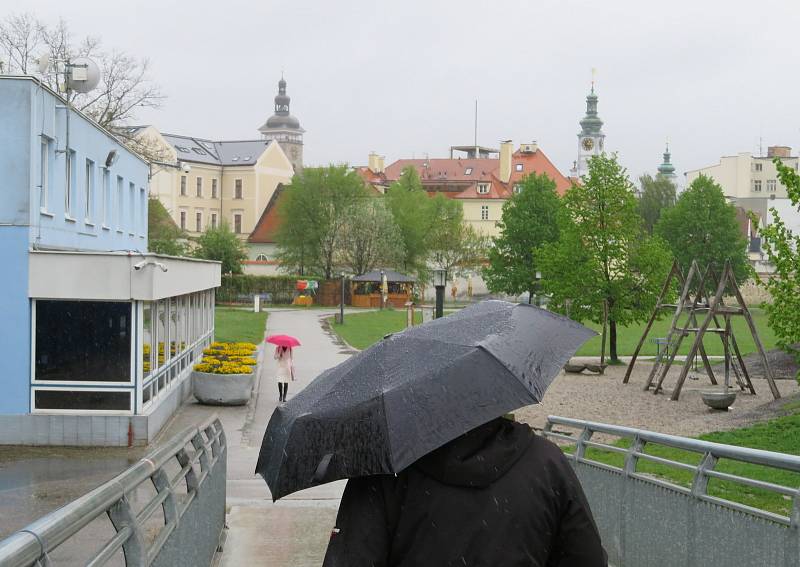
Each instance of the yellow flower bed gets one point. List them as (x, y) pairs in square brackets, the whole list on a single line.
[(228, 358), (224, 368)]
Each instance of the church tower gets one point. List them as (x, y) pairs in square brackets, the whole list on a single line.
[(666, 169), (285, 128), (590, 138)]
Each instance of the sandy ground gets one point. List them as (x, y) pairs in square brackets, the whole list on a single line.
[(606, 399)]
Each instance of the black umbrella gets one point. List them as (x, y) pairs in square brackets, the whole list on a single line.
[(414, 391)]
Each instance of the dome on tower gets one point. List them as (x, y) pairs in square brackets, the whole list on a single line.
[(282, 119)]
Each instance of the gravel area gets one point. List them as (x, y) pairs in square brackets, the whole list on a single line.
[(606, 399)]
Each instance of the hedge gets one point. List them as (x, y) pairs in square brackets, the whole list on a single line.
[(274, 289)]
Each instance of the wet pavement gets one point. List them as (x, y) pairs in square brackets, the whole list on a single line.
[(293, 531)]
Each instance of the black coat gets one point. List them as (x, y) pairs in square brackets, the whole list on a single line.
[(497, 496)]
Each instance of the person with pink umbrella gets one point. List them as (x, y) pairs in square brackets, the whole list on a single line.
[(283, 354)]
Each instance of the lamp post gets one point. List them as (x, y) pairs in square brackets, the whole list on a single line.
[(439, 282), (341, 305), (538, 289), (383, 289)]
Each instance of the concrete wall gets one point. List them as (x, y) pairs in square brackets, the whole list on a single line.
[(735, 174)]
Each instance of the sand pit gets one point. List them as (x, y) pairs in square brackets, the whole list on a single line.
[(606, 399)]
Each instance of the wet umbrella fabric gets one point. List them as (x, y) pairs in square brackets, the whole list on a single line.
[(414, 391), (283, 340)]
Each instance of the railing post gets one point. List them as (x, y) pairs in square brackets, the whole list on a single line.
[(580, 448), (191, 477), (170, 506), (631, 458), (700, 481), (201, 446), (122, 516)]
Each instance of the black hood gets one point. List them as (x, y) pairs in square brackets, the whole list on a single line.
[(479, 457)]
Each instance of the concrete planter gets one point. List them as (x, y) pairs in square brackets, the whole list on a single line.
[(222, 389), (719, 400)]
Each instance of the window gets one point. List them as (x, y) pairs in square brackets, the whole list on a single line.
[(142, 211), (106, 195), (261, 258), (183, 185), (758, 166), (483, 188), (88, 195), (237, 223), (213, 188), (757, 185), (518, 167), (213, 220), (119, 203), (198, 221), (132, 204), (94, 342), (199, 186), (70, 184), (468, 171), (183, 220), (772, 184), (237, 189), (484, 212), (517, 188), (44, 174)]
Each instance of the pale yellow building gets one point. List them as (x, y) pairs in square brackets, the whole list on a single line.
[(202, 182)]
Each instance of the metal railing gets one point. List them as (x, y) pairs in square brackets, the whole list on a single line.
[(192, 505), (679, 524)]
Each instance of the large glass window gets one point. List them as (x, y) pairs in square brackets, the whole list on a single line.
[(44, 174), (148, 344), (82, 400), (86, 341)]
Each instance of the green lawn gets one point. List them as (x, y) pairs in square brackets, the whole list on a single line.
[(781, 434), (628, 337), (238, 325), (363, 329)]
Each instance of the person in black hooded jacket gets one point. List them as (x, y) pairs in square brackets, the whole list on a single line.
[(497, 496)]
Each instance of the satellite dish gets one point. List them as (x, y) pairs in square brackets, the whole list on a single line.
[(43, 63), (83, 75)]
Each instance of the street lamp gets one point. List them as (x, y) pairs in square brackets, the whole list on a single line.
[(341, 305), (538, 289), (439, 282)]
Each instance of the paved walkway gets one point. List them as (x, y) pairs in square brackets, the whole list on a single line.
[(294, 531)]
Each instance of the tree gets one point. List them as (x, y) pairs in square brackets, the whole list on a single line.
[(424, 222), (702, 226), (313, 216), (529, 221), (459, 249), (783, 250), (658, 195), (163, 235), (370, 238), (223, 245), (124, 86), (603, 255)]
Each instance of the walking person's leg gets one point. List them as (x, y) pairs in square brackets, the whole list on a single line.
[(280, 391)]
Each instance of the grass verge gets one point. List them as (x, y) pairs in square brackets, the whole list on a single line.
[(781, 434), (361, 330), (239, 325)]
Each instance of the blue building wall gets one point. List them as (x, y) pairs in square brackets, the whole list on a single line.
[(114, 217), (107, 205), (15, 320)]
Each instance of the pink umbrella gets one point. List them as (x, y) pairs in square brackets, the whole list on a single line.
[(283, 340)]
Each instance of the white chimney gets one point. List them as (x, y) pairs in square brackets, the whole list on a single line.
[(506, 151)]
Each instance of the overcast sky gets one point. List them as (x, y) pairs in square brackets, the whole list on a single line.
[(401, 78)]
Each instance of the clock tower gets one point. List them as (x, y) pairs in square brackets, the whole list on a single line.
[(285, 128), (591, 139)]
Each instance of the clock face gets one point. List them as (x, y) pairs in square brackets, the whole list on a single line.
[(587, 144)]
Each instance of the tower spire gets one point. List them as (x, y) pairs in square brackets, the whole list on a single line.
[(666, 168)]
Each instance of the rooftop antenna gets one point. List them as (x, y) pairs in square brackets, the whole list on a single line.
[(476, 126), (594, 74)]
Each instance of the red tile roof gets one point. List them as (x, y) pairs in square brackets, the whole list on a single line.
[(267, 226), (458, 178)]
